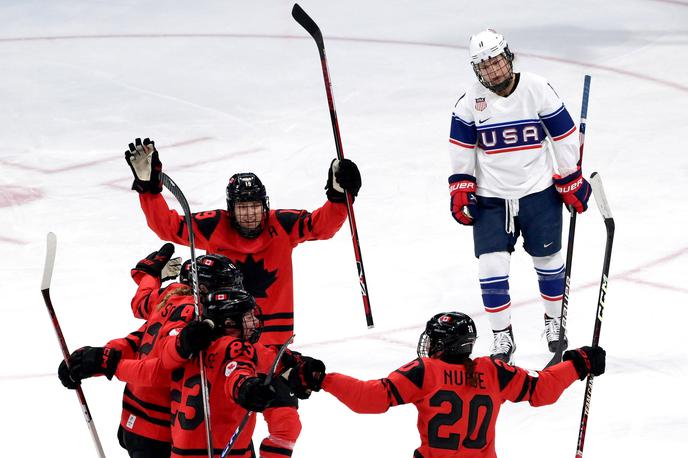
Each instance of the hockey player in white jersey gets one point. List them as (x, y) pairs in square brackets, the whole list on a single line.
[(514, 159)]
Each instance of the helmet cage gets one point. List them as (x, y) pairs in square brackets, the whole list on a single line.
[(246, 187), (452, 333), (496, 87), (234, 309)]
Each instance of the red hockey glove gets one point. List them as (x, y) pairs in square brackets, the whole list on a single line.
[(587, 360), (574, 190), (463, 204)]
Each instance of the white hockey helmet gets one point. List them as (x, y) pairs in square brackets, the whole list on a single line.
[(487, 45)]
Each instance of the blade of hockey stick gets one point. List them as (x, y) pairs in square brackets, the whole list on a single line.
[(605, 211), (49, 265)]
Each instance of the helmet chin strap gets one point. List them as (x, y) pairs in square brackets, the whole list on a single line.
[(499, 87)]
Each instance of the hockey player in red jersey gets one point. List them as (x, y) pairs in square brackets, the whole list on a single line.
[(145, 422), (458, 398), (514, 160), (260, 242), (227, 336)]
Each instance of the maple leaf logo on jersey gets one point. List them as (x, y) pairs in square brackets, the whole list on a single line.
[(257, 279)]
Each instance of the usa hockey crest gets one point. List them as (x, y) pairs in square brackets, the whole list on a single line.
[(480, 103)]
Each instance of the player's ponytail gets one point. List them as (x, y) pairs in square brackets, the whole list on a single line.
[(181, 290)]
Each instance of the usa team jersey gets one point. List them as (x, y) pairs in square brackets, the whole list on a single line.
[(454, 418), (265, 261), (505, 142)]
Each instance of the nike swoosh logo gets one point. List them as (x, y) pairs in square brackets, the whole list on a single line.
[(480, 121), (548, 244)]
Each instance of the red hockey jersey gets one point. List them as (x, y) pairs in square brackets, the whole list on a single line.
[(454, 418), (264, 261), (146, 401), (228, 362)]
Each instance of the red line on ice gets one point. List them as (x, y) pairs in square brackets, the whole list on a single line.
[(637, 75)]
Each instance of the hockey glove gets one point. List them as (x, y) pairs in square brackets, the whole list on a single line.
[(254, 394), (92, 361), (307, 376), (66, 379), (195, 337), (291, 359), (342, 176), (587, 360), (155, 263), (463, 204), (145, 164), (574, 190)]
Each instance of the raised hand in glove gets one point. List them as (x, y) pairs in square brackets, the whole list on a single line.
[(342, 176), (195, 337), (306, 376), (463, 204), (587, 360), (144, 162), (89, 362), (155, 264), (253, 394)]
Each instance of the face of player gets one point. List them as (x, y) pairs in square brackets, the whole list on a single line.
[(495, 70), (248, 215)]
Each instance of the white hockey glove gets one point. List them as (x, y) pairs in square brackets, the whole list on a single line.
[(144, 162), (171, 269)]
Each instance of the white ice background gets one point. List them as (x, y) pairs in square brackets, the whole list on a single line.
[(228, 86)]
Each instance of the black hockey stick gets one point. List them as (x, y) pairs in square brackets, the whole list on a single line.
[(45, 290), (312, 28), (179, 195), (572, 233), (247, 415), (603, 205)]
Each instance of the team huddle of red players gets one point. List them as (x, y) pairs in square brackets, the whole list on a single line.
[(246, 302)]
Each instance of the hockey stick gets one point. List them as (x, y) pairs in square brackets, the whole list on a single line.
[(312, 28), (572, 233), (179, 195), (247, 415), (45, 290), (603, 205)]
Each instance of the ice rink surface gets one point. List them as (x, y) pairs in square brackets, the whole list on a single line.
[(236, 86)]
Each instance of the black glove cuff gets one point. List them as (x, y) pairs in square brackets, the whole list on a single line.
[(580, 362)]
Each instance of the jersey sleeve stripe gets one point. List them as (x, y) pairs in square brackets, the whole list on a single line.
[(458, 143), (554, 113), (527, 388), (559, 124), (563, 136), (392, 389), (463, 132)]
